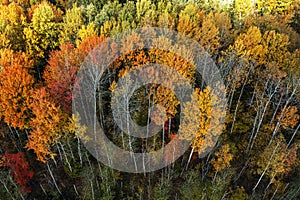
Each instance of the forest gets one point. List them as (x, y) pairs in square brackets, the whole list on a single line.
[(245, 148)]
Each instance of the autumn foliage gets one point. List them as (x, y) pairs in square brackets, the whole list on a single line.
[(60, 74), (15, 95), (63, 64), (45, 125), (254, 46), (19, 169)]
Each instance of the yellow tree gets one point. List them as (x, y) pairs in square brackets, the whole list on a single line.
[(109, 27), (273, 6), (222, 158), (73, 20), (207, 124), (288, 117), (209, 34), (166, 15), (145, 12), (163, 94), (43, 31), (86, 31), (276, 45), (242, 9), (190, 20), (226, 34), (12, 22), (292, 62), (249, 46), (275, 161)]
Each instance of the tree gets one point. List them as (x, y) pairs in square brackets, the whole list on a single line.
[(203, 128), (8, 58), (145, 12), (276, 45), (12, 23), (88, 44), (249, 46), (63, 64), (86, 31), (46, 125), (274, 161), (209, 34), (109, 12), (226, 32), (242, 9), (209, 125), (288, 117), (190, 20), (73, 20), (60, 74), (238, 194), (128, 13), (15, 95), (20, 169), (274, 6), (223, 158), (279, 23), (43, 31)]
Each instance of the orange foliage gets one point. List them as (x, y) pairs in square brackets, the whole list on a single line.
[(88, 44), (45, 126), (15, 95), (8, 58), (60, 74)]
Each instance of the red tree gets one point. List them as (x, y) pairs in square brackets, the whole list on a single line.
[(60, 75), (19, 169), (63, 64)]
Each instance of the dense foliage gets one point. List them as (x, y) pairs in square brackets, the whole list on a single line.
[(255, 45)]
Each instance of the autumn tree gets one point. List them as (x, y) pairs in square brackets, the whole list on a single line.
[(242, 9), (273, 163), (88, 44), (16, 89), (86, 31), (46, 125), (60, 74), (109, 12), (63, 64), (276, 45), (208, 121), (249, 46), (225, 27), (145, 12), (20, 169), (222, 158), (8, 58), (190, 20), (75, 28), (43, 31), (127, 16), (13, 21), (273, 7), (209, 34)]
